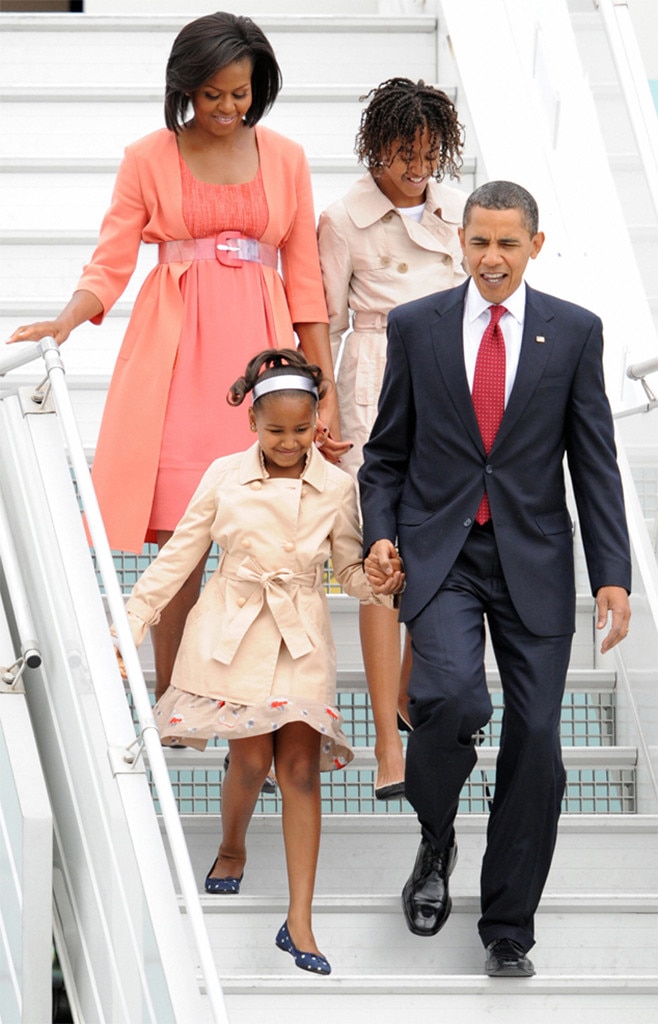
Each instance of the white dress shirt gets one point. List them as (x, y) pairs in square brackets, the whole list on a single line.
[(476, 320)]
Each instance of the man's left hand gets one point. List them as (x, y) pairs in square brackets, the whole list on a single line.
[(614, 601)]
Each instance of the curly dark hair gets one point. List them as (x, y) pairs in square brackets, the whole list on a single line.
[(397, 111), (275, 362), (204, 47)]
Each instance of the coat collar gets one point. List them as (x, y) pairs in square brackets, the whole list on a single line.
[(366, 204), (251, 468)]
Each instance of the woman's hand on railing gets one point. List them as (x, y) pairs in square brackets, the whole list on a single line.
[(82, 305), (37, 331)]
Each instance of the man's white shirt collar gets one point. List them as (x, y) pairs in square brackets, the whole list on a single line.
[(476, 304)]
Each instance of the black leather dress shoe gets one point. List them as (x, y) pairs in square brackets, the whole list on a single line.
[(506, 959), (425, 898)]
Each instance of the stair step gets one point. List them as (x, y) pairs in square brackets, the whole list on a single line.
[(610, 757), (135, 49), (596, 854), (469, 998), (596, 936), (74, 194), (325, 122)]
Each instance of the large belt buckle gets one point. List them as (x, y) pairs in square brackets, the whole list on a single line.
[(227, 249)]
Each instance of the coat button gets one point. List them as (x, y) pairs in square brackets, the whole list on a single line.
[(385, 261), (488, 469), (246, 543), (388, 216), (403, 268), (288, 546), (241, 602), (256, 485), (468, 522)]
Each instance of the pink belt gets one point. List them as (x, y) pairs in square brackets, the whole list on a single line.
[(230, 248), (369, 321)]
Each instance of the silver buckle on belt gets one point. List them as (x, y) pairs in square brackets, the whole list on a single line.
[(229, 243)]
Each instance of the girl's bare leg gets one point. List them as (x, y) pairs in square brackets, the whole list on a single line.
[(166, 636), (249, 764), (405, 671), (297, 762), (380, 642)]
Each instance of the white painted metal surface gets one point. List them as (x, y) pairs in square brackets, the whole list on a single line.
[(115, 913), (26, 843), (534, 78)]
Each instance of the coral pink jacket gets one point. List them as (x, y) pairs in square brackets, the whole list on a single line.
[(147, 207)]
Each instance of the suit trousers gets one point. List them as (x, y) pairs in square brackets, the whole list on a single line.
[(449, 702)]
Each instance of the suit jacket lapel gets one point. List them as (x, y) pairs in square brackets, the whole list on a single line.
[(448, 334), (533, 359)]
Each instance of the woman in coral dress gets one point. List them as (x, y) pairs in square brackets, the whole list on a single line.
[(229, 204)]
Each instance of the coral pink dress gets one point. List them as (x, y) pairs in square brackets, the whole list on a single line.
[(227, 319)]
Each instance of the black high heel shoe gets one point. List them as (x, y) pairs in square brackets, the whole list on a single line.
[(314, 962), (394, 791), (403, 724), (222, 886)]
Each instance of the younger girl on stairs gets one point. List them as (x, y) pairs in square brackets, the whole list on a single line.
[(257, 661)]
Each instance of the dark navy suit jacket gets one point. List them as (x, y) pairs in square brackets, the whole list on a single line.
[(425, 467)]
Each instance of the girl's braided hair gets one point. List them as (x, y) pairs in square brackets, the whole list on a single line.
[(274, 362), (397, 111)]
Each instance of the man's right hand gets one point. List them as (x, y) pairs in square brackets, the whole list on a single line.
[(384, 569)]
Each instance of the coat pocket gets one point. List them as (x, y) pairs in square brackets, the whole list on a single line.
[(555, 522), (408, 515)]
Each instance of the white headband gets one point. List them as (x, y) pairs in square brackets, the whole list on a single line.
[(284, 382)]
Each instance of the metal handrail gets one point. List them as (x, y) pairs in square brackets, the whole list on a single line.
[(30, 656), (634, 85), (639, 371), (149, 735)]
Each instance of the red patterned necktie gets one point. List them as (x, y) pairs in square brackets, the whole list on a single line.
[(489, 390)]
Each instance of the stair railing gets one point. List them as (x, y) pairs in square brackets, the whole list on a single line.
[(635, 86), (148, 740)]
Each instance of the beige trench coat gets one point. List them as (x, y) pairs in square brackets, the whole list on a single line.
[(261, 627), (373, 258)]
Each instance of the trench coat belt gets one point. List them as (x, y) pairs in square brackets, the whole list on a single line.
[(369, 321), (271, 588), (229, 247)]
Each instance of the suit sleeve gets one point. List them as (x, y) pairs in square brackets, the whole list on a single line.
[(388, 451), (592, 458)]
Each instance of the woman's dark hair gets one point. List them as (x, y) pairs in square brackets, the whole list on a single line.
[(397, 111), (275, 362), (207, 45)]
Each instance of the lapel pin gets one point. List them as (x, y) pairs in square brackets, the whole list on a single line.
[(540, 339)]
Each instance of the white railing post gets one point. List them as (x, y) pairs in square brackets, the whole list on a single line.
[(149, 731)]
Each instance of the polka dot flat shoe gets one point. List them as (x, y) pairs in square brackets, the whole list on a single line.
[(222, 886), (313, 962)]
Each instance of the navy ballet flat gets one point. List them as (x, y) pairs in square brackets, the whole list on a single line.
[(313, 962), (222, 886)]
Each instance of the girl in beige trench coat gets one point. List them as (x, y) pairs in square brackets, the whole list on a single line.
[(256, 664), (392, 238)]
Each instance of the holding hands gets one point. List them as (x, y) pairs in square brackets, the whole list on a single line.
[(383, 567)]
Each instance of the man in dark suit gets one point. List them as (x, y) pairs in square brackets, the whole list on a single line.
[(464, 469)]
